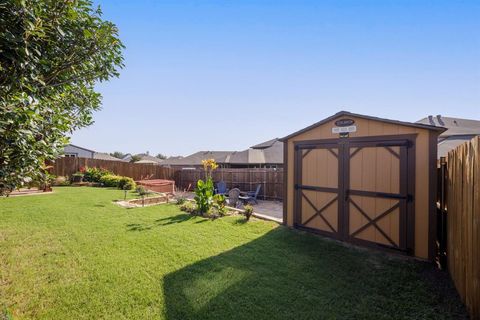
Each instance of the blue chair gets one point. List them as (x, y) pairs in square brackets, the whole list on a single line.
[(221, 188), (251, 195)]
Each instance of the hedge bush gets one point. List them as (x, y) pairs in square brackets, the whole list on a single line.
[(126, 183), (93, 174), (114, 181)]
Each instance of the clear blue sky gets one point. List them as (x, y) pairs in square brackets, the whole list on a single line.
[(225, 75)]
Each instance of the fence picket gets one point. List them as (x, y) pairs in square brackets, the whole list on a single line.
[(463, 222)]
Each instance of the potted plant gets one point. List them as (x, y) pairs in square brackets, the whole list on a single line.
[(77, 177)]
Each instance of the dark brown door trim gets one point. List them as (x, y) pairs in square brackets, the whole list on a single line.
[(405, 197)]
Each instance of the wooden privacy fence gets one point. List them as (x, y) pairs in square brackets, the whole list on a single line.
[(459, 233), (246, 179), (69, 165)]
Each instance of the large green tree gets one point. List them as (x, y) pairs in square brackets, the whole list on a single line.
[(52, 53)]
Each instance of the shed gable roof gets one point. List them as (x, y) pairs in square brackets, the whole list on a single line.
[(350, 114)]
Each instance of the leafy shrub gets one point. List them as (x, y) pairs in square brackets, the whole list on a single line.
[(204, 195), (93, 174), (77, 177), (126, 183), (111, 180), (141, 190), (181, 200), (219, 203), (248, 211), (189, 207)]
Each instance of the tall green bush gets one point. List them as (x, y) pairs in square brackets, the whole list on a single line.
[(126, 183), (52, 55), (205, 189), (93, 174), (204, 195), (114, 181)]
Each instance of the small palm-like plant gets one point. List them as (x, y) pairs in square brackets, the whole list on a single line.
[(248, 211)]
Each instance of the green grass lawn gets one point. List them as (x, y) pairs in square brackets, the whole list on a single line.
[(74, 254)]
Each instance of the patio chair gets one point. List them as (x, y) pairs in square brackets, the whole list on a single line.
[(221, 188), (232, 198), (250, 196)]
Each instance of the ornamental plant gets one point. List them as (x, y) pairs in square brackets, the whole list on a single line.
[(205, 189), (94, 174), (248, 211)]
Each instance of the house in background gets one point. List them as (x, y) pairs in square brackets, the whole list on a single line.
[(194, 161), (74, 151), (268, 154), (127, 158), (458, 131), (144, 158)]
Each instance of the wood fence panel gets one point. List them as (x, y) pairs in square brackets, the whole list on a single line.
[(246, 179), (68, 166), (463, 221)]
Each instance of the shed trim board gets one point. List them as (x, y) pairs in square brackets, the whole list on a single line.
[(285, 180), (432, 196), (344, 192), (350, 114), (372, 186)]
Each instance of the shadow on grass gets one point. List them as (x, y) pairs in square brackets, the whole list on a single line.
[(161, 222), (287, 274)]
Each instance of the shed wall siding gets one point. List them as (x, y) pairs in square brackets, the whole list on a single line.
[(367, 128)]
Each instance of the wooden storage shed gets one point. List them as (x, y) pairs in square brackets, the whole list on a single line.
[(364, 180)]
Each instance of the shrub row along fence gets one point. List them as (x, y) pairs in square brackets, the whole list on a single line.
[(246, 179), (459, 223), (69, 165)]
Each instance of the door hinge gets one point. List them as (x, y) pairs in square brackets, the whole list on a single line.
[(409, 198)]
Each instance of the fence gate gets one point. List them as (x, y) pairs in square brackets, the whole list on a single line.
[(356, 191)]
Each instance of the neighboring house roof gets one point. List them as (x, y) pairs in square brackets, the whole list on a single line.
[(269, 152), (454, 126), (350, 114), (458, 131), (75, 146), (128, 157), (196, 158), (148, 158), (450, 143), (266, 144), (105, 156), (147, 161), (174, 157)]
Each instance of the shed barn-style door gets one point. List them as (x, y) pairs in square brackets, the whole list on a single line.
[(376, 194), (318, 188), (356, 191)]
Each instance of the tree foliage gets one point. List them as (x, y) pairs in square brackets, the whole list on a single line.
[(161, 156), (52, 52), (117, 154), (136, 158)]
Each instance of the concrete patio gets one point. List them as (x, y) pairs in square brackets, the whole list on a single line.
[(269, 210)]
